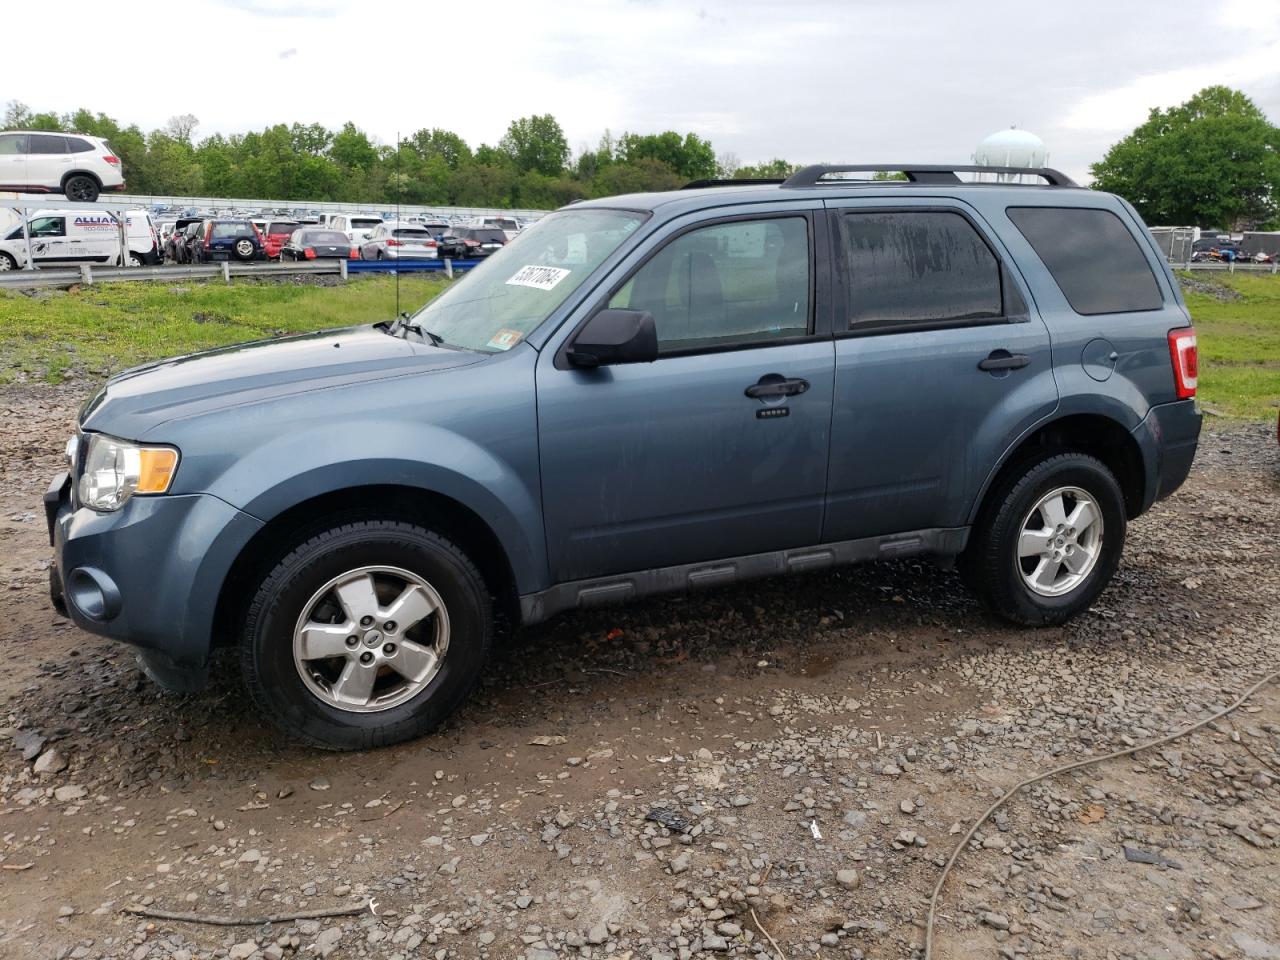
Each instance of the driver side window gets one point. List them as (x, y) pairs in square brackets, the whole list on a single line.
[(47, 227), (737, 283)]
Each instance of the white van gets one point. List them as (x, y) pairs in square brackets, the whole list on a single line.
[(357, 226), (71, 237)]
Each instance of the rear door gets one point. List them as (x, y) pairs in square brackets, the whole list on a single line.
[(941, 363), (47, 159)]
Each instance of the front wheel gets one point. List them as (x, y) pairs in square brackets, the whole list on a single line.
[(367, 634), (7, 262), (1048, 541)]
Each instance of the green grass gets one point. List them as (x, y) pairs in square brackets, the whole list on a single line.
[(101, 329), (1239, 344)]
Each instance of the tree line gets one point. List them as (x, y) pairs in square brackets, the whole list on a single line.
[(1212, 161)]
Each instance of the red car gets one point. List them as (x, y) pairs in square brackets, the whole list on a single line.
[(276, 235)]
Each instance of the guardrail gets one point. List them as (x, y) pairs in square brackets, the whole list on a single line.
[(1243, 266), (88, 274)]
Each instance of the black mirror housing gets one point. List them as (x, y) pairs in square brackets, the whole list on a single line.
[(615, 336)]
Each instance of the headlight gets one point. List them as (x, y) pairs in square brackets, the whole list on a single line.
[(114, 470)]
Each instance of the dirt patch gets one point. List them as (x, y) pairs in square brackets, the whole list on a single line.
[(876, 708)]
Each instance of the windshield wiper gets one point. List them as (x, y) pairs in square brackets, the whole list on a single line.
[(403, 322)]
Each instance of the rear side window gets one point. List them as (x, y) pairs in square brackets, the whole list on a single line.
[(1093, 258), (908, 268), (47, 143)]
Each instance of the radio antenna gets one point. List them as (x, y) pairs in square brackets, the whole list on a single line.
[(399, 190)]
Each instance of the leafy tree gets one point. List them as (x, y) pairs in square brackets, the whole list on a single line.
[(772, 170), (17, 116), (445, 144), (351, 148), (638, 176), (690, 156), (536, 143), (1212, 161)]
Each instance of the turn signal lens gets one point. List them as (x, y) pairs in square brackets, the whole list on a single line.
[(155, 469)]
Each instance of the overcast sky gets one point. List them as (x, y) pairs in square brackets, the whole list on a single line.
[(808, 80)]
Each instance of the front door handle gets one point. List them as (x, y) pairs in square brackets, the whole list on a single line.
[(773, 385), (1004, 360)]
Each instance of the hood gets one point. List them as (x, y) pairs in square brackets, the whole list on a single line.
[(142, 398)]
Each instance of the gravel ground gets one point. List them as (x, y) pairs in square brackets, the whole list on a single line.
[(684, 777)]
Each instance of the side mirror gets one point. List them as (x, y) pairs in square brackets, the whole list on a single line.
[(615, 336)]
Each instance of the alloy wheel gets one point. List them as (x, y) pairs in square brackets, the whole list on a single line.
[(1060, 541)]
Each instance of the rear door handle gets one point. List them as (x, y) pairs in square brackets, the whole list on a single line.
[(1004, 360), (775, 385)]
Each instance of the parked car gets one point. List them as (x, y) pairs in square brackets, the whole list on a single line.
[(397, 240), (276, 234), (318, 243), (227, 240), (357, 227), (832, 371), (76, 166), (69, 237), (480, 241), (184, 241), (508, 225)]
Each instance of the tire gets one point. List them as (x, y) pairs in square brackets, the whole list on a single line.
[(7, 262), (994, 564), (243, 249), (135, 260), (81, 188), (404, 558)]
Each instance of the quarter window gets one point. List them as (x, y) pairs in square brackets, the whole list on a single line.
[(77, 145), (1092, 256), (727, 284), (918, 268)]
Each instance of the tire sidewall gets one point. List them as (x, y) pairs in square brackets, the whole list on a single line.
[(267, 650), (1007, 591)]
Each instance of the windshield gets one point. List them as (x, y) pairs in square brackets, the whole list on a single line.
[(499, 303)]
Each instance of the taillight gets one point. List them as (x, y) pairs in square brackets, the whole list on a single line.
[(208, 239), (309, 253), (355, 253), (114, 161), (432, 243), (1186, 361), (395, 243)]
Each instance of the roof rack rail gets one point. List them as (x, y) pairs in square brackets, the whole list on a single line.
[(721, 182), (922, 172)]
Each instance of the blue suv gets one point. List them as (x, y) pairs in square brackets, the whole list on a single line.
[(640, 394)]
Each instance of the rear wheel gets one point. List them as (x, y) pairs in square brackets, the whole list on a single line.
[(81, 189), (1049, 540), (367, 634)]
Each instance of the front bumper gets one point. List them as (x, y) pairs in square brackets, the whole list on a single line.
[(148, 574)]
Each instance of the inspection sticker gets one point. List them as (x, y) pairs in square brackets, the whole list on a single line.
[(504, 339), (542, 278)]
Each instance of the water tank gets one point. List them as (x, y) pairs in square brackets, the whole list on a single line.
[(1011, 148)]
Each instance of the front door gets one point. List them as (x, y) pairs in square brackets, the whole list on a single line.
[(941, 364), (13, 161), (49, 240), (717, 449)]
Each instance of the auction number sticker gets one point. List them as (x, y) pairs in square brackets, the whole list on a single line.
[(540, 278), (504, 339)]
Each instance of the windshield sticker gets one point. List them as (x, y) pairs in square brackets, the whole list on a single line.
[(506, 339), (540, 278)]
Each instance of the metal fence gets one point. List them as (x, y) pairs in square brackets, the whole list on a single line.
[(146, 201), (87, 275)]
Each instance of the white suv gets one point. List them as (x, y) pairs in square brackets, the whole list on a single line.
[(79, 167)]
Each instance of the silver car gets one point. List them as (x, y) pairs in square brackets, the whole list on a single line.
[(400, 240)]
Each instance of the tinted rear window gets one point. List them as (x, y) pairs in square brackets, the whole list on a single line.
[(285, 227), (484, 236), (412, 234), (235, 228), (925, 267), (326, 237), (1094, 259), (360, 223)]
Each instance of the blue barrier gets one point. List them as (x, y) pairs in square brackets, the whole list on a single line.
[(407, 266)]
